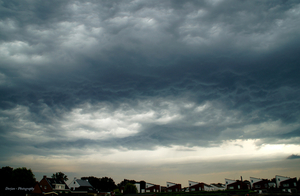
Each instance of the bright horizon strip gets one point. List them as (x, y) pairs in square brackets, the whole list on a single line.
[(163, 156)]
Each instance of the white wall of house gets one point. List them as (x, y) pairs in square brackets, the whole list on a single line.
[(138, 187), (254, 180), (217, 188), (192, 183), (59, 186), (272, 184), (73, 184), (208, 188), (169, 184), (280, 179), (229, 181), (214, 187), (148, 185)]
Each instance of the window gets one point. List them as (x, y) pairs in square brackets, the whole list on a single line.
[(295, 184), (74, 182), (45, 187), (231, 187), (285, 185), (239, 186), (192, 189), (257, 186)]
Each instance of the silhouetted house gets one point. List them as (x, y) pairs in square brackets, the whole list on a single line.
[(185, 189), (141, 194), (37, 189), (229, 181), (218, 187), (140, 186), (199, 186), (261, 185), (194, 186), (81, 186), (236, 184), (48, 185), (285, 183), (173, 187), (152, 187), (279, 179), (248, 183), (163, 189)]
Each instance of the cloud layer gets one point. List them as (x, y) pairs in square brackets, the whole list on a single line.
[(79, 77)]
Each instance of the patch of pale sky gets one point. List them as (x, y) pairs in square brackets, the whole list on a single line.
[(164, 159), (226, 151)]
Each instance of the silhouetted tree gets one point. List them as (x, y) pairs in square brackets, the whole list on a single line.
[(124, 182), (95, 182), (59, 176), (14, 178), (23, 177), (6, 174), (130, 188), (104, 184)]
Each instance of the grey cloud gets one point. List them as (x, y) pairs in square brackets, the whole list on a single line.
[(243, 59), (293, 156)]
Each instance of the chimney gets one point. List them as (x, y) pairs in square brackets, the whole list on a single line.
[(242, 178), (44, 176)]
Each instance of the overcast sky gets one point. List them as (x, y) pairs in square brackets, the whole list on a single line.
[(151, 90)]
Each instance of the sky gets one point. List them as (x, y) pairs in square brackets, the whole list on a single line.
[(151, 90)]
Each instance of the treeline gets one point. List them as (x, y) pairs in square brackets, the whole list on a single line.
[(16, 179), (22, 177), (104, 184)]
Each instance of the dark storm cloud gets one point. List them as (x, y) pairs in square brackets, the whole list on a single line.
[(239, 58), (293, 156)]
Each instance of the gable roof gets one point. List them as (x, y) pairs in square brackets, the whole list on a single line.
[(207, 185), (149, 185), (218, 185), (83, 183), (53, 181)]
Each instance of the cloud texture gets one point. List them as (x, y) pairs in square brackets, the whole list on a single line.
[(83, 76)]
